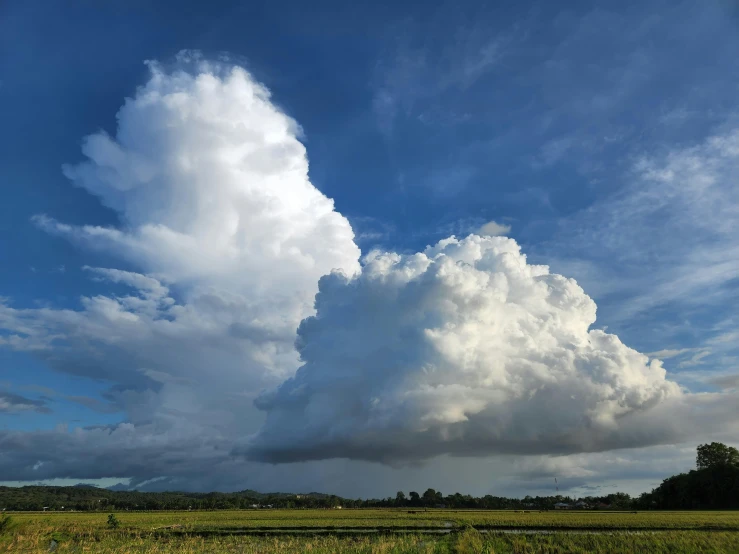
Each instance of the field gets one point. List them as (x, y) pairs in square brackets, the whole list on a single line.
[(368, 531)]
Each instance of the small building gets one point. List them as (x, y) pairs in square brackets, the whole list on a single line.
[(562, 506)]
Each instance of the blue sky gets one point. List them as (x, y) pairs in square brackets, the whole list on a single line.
[(603, 138)]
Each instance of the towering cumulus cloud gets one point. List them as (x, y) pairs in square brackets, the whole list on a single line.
[(223, 240), (463, 349), (211, 183)]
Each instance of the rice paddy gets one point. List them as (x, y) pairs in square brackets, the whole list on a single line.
[(389, 530)]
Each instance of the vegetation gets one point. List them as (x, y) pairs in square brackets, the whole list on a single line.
[(716, 454), (223, 531), (113, 522), (714, 485), (87, 498), (658, 543), (263, 521), (5, 521), (703, 489)]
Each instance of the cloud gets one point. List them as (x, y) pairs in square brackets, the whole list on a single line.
[(494, 229), (371, 230), (222, 241), (695, 359), (464, 349), (208, 176), (677, 216), (13, 403), (94, 404), (418, 70), (726, 381), (669, 353)]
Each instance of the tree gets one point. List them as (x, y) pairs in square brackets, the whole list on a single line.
[(431, 497), (414, 498), (716, 454), (619, 500), (400, 499)]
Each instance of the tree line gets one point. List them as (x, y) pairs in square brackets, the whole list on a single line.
[(714, 484), (89, 498)]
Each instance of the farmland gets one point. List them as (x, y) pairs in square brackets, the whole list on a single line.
[(389, 530)]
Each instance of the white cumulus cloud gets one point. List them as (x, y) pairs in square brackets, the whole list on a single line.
[(494, 229), (464, 349), (211, 183)]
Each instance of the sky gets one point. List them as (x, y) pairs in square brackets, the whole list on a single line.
[(359, 248)]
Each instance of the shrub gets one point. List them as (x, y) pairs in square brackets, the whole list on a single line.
[(113, 522)]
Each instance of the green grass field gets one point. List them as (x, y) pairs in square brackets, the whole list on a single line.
[(326, 531)]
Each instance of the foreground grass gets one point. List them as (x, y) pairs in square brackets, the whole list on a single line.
[(151, 532), (463, 542)]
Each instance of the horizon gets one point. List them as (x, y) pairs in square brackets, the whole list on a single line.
[(115, 489), (120, 486), (351, 248)]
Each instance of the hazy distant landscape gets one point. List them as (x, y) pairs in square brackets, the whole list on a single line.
[(248, 521)]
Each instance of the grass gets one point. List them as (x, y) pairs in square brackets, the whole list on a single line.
[(472, 531), (5, 522), (395, 518)]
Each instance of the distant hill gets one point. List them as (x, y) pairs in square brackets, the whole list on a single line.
[(254, 494), (118, 487)]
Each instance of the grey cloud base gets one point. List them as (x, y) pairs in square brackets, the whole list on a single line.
[(11, 403)]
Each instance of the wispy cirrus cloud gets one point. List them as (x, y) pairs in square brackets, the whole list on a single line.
[(679, 215), (662, 252), (417, 71)]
